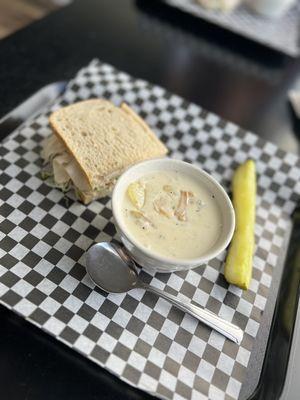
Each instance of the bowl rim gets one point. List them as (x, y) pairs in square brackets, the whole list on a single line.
[(153, 255)]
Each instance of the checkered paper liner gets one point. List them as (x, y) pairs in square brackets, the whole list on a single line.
[(137, 336), (282, 34)]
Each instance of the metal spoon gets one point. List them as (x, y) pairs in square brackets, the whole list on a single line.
[(111, 268)]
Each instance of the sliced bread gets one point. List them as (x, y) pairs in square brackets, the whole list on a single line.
[(104, 139)]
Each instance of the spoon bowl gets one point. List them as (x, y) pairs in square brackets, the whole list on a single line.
[(110, 268)]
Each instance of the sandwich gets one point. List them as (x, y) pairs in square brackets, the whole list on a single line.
[(220, 5), (92, 143)]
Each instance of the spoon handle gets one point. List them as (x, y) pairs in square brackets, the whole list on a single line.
[(222, 326)]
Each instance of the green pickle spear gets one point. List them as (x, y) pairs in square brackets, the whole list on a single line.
[(238, 265)]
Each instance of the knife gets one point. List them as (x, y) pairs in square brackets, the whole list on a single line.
[(30, 106)]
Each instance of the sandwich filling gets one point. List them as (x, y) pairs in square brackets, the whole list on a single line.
[(62, 171)]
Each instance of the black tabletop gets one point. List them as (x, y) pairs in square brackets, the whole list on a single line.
[(231, 76)]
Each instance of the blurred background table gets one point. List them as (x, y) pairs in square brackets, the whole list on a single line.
[(231, 76), (17, 14)]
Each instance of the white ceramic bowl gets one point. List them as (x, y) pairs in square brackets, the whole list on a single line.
[(152, 261)]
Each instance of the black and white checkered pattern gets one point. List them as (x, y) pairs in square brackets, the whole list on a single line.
[(278, 33), (137, 336)]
